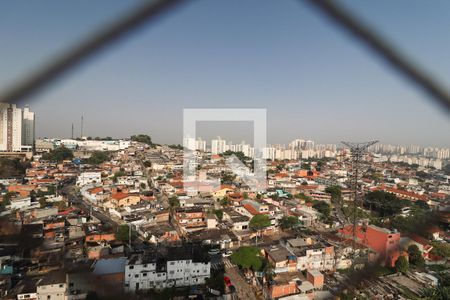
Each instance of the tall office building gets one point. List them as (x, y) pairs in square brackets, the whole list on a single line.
[(27, 127), (16, 128)]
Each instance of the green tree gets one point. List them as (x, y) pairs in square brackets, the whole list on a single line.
[(61, 205), (323, 208), (335, 192), (42, 202), (219, 214), (447, 169), (440, 249), (51, 190), (240, 155), (227, 177), (5, 201), (303, 197), (418, 221), (288, 222), (10, 168), (118, 174), (259, 222), (415, 256), (247, 258), (98, 157), (225, 201), (386, 204), (123, 233), (142, 138), (58, 154), (306, 166), (422, 205), (178, 147), (402, 264), (442, 291), (174, 202)]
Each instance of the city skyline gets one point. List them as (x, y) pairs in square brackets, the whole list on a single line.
[(239, 141)]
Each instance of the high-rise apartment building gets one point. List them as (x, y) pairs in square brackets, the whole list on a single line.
[(27, 127), (218, 146), (16, 128)]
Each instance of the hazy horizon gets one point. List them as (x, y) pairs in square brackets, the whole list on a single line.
[(315, 82)]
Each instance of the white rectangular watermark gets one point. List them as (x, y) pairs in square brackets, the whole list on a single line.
[(255, 180)]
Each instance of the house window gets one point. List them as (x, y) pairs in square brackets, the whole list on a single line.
[(172, 263), (144, 274), (131, 267), (136, 276)]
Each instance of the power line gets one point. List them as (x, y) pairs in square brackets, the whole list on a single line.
[(145, 13), (386, 51), (357, 150)]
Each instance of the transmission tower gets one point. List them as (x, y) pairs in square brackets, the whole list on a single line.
[(357, 151)]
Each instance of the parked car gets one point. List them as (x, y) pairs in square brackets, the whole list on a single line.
[(214, 251), (227, 253), (227, 281)]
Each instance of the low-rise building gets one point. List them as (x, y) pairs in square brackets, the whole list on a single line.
[(89, 178), (180, 266), (190, 219), (52, 287)]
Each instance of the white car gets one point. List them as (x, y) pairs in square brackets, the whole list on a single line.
[(214, 251), (227, 253)]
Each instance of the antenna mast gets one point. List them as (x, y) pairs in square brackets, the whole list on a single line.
[(357, 150)]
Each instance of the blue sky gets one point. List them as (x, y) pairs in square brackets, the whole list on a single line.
[(315, 81)]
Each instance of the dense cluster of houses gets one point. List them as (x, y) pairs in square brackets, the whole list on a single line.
[(144, 188)]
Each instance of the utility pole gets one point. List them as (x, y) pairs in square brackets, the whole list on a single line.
[(129, 235), (72, 132), (81, 127), (357, 150)]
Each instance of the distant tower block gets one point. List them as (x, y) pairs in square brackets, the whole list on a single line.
[(81, 126)]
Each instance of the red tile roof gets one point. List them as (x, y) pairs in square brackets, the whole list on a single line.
[(119, 195)]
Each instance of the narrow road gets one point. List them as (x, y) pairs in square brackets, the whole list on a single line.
[(78, 201), (243, 290)]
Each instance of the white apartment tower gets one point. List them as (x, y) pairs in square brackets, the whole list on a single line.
[(10, 127), (200, 145), (218, 146), (16, 128)]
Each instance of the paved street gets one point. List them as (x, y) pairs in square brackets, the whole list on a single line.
[(78, 201), (243, 289)]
